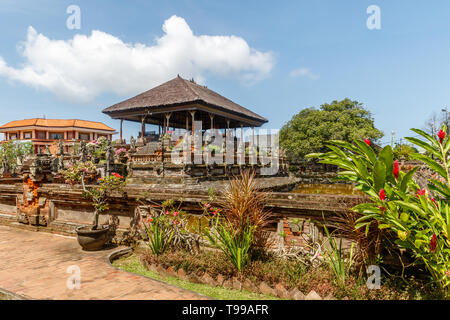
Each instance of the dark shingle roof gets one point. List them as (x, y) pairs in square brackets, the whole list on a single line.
[(180, 91)]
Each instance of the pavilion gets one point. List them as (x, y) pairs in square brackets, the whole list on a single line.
[(178, 103)]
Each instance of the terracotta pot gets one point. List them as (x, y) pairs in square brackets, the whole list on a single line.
[(91, 240)]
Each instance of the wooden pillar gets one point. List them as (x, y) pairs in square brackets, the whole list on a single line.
[(142, 127), (187, 122), (193, 120), (168, 120), (121, 125)]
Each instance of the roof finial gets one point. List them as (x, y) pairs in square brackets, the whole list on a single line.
[(178, 75)]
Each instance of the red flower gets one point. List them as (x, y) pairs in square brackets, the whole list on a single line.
[(382, 195), (420, 192), (433, 243), (382, 209), (116, 175), (176, 213), (396, 170), (167, 212), (441, 135), (435, 203), (368, 142)]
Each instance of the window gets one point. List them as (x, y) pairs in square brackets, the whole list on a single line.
[(41, 135), (70, 135), (13, 136), (56, 135), (27, 135), (84, 136)]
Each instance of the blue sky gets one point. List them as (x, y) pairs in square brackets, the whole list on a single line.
[(401, 72)]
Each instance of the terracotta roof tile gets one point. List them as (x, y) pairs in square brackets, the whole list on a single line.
[(57, 123)]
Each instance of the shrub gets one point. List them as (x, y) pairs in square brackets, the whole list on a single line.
[(243, 207), (235, 244), (419, 218), (159, 234), (337, 261)]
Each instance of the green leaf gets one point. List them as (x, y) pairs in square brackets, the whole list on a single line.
[(379, 175), (425, 146), (407, 179), (367, 151), (426, 136), (387, 156), (436, 167)]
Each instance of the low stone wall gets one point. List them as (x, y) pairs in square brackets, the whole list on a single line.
[(61, 208)]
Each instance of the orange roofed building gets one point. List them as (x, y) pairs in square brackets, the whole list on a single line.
[(45, 132)]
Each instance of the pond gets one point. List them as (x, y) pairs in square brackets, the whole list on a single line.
[(337, 189)]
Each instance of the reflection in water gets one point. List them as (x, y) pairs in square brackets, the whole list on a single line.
[(344, 189)]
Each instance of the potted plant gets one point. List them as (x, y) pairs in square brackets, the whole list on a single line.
[(94, 237), (121, 154)]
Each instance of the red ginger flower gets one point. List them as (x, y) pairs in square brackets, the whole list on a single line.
[(434, 201), (368, 142), (420, 192), (117, 175), (396, 170), (441, 135), (382, 195), (433, 243)]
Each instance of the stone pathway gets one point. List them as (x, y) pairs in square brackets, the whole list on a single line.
[(34, 265)]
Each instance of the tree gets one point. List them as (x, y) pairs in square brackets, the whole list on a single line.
[(404, 151), (308, 131), (13, 150)]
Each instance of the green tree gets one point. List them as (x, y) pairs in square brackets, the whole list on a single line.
[(404, 151), (308, 130), (13, 150)]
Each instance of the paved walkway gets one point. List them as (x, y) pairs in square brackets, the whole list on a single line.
[(34, 265)]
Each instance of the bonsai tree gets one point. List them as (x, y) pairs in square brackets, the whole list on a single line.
[(99, 194), (418, 219)]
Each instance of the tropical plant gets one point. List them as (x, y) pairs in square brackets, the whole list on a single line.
[(160, 234), (338, 261), (419, 218), (173, 221), (243, 205), (235, 244)]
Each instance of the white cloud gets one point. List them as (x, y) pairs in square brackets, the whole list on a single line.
[(304, 72), (86, 66)]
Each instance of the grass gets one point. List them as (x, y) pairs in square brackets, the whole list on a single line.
[(132, 264)]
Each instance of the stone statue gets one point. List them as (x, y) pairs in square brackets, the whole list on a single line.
[(61, 148), (5, 165), (83, 151), (132, 145), (109, 157)]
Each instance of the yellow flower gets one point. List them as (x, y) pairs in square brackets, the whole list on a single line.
[(402, 235)]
